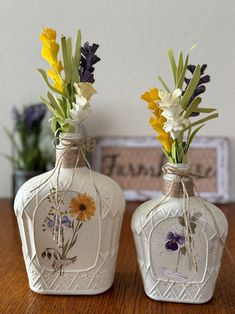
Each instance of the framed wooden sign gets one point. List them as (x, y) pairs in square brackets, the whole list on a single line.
[(136, 164)]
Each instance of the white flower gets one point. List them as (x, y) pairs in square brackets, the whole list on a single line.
[(174, 126), (84, 89), (80, 111), (169, 99), (173, 112)]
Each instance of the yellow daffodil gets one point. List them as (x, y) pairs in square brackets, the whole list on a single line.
[(58, 82), (50, 52), (48, 34), (50, 49), (151, 96), (157, 122)]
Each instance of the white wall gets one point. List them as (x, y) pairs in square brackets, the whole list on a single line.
[(133, 37)]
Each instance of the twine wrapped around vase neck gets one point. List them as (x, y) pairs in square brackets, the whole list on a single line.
[(173, 175), (73, 149)]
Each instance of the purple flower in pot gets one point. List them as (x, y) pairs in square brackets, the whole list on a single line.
[(174, 240)]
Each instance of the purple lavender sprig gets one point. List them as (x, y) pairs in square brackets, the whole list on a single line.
[(26, 138), (30, 117), (88, 59), (201, 88)]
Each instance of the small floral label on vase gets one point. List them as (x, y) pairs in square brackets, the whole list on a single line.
[(64, 240), (170, 255)]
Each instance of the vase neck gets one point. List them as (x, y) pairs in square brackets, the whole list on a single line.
[(177, 180), (70, 150)]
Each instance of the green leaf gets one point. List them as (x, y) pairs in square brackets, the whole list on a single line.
[(173, 152), (12, 139), (181, 220), (55, 104), (200, 121), (173, 64), (191, 87), (164, 84), (180, 80), (193, 106), (194, 134), (44, 75), (168, 157), (183, 250), (77, 55), (48, 104), (68, 107), (54, 124), (180, 67), (75, 73), (205, 110), (62, 104), (66, 62), (196, 216), (70, 57)]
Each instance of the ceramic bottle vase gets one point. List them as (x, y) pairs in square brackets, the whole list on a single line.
[(69, 221), (177, 265)]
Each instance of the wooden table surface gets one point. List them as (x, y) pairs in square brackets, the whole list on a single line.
[(127, 293)]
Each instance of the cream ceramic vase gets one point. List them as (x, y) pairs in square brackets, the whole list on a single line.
[(69, 221), (177, 265)]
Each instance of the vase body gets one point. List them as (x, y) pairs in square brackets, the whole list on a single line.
[(19, 177), (164, 257), (73, 252)]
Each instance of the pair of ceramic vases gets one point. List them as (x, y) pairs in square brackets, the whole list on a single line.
[(70, 220)]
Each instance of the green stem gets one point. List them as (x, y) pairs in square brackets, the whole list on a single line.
[(77, 228), (177, 263)]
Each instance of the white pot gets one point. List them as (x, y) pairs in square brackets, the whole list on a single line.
[(84, 263), (163, 255)]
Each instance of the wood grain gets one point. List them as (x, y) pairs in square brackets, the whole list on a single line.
[(125, 296)]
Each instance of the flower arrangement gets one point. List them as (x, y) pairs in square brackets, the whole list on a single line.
[(70, 80), (176, 112), (26, 139)]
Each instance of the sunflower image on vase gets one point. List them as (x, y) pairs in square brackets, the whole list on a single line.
[(81, 209)]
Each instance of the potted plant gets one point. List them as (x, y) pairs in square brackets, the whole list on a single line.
[(28, 159)]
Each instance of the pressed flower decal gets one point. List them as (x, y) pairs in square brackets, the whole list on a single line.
[(72, 79), (174, 110), (174, 240), (81, 209)]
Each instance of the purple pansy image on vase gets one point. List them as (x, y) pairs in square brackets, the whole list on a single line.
[(174, 240)]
